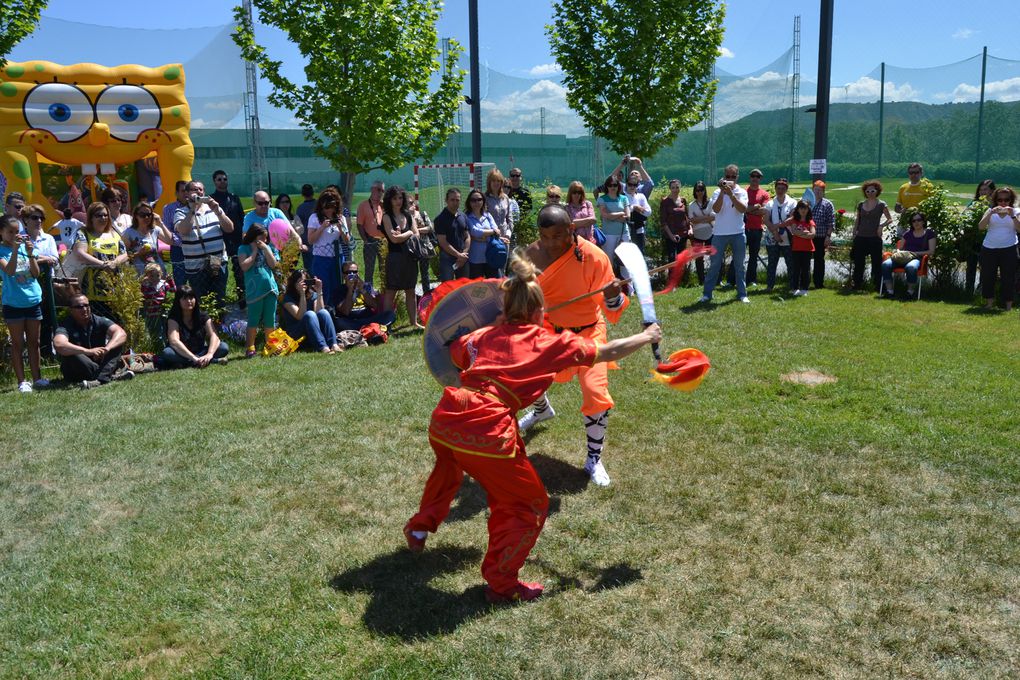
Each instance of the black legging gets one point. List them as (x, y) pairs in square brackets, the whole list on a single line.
[(1001, 262), (863, 247)]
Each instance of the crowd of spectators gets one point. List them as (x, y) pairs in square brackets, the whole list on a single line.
[(207, 235)]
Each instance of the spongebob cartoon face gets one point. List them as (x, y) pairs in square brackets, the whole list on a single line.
[(93, 116)]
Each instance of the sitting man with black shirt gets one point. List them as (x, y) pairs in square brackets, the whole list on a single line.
[(89, 347), (360, 304)]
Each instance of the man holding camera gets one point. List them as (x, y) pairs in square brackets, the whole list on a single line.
[(360, 303), (729, 203), (201, 224)]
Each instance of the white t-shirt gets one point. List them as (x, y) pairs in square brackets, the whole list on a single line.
[(324, 246), (778, 211), (1001, 232), (68, 228), (728, 221), (701, 230)]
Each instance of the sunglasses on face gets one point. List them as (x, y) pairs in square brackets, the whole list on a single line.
[(733, 177), (755, 176), (556, 196), (145, 215), (34, 218), (261, 202), (913, 172), (514, 176), (476, 199)]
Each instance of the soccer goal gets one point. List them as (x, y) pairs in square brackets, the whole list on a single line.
[(432, 181)]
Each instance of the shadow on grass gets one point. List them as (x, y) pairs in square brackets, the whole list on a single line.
[(560, 478), (606, 578), (403, 603), (698, 307)]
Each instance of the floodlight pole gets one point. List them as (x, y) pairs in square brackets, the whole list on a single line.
[(824, 77), (476, 98)]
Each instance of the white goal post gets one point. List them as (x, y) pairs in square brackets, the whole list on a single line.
[(432, 181)]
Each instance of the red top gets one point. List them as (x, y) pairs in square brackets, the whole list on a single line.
[(504, 369), (803, 244), (755, 198)]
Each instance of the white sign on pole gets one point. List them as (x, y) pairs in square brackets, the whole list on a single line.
[(817, 166)]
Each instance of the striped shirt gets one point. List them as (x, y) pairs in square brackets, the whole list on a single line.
[(204, 239)]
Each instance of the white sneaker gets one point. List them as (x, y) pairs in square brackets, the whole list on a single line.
[(797, 293), (746, 300), (41, 383), (25, 387), (530, 418), (704, 298), (597, 472)]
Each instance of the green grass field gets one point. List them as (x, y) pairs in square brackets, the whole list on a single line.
[(245, 521)]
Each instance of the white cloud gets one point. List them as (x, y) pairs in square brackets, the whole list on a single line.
[(964, 33), (866, 89), (726, 53), (998, 90), (521, 111), (546, 70), (224, 105)]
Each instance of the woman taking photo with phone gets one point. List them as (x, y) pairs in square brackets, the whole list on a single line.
[(328, 234), (21, 299), (304, 315)]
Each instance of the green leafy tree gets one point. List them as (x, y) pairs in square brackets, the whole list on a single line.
[(18, 19), (638, 72), (367, 103), (949, 224)]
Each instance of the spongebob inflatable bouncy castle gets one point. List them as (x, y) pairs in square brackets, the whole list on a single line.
[(94, 122)]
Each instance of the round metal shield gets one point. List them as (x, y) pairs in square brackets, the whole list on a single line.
[(463, 310)]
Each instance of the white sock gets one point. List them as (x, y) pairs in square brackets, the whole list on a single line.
[(541, 404), (420, 534), (595, 429)]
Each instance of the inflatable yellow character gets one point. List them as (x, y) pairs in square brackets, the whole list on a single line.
[(94, 116)]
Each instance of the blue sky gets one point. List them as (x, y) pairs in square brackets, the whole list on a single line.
[(910, 36), (866, 32)]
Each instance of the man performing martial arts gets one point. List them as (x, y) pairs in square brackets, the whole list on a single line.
[(474, 428), (572, 267)]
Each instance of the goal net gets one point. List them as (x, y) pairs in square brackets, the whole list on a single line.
[(432, 181)]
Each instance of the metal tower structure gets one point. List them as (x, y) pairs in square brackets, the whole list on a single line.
[(795, 98), (710, 161), (251, 117)]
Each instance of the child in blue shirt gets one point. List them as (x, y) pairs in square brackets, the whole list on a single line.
[(257, 258), (21, 299)]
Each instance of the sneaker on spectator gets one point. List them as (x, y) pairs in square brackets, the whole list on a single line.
[(250, 354), (414, 544), (530, 418), (745, 300), (704, 298), (90, 384), (797, 293), (220, 361), (752, 284), (597, 472), (25, 387), (41, 384), (126, 374), (522, 592)]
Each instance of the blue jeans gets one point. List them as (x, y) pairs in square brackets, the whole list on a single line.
[(327, 270), (775, 252), (738, 242), (911, 269), (447, 271), (317, 328), (169, 358)]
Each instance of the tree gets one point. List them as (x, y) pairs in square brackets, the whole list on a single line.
[(638, 72), (367, 103), (18, 19)]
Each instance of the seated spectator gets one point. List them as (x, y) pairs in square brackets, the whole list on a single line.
[(89, 346), (360, 304), (191, 337), (22, 298), (258, 258), (305, 316), (156, 283), (920, 240)]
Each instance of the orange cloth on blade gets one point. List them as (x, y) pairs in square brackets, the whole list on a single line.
[(503, 369), (567, 278)]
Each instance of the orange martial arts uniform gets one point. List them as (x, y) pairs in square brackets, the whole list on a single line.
[(474, 430), (567, 278)]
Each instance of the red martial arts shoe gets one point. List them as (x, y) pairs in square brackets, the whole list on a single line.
[(522, 592), (414, 544)]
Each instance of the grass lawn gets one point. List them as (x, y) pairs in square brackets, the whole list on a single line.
[(245, 521)]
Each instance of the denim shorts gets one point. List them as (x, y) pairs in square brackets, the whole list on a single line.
[(33, 313)]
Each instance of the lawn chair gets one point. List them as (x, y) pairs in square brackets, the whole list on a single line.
[(922, 271)]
